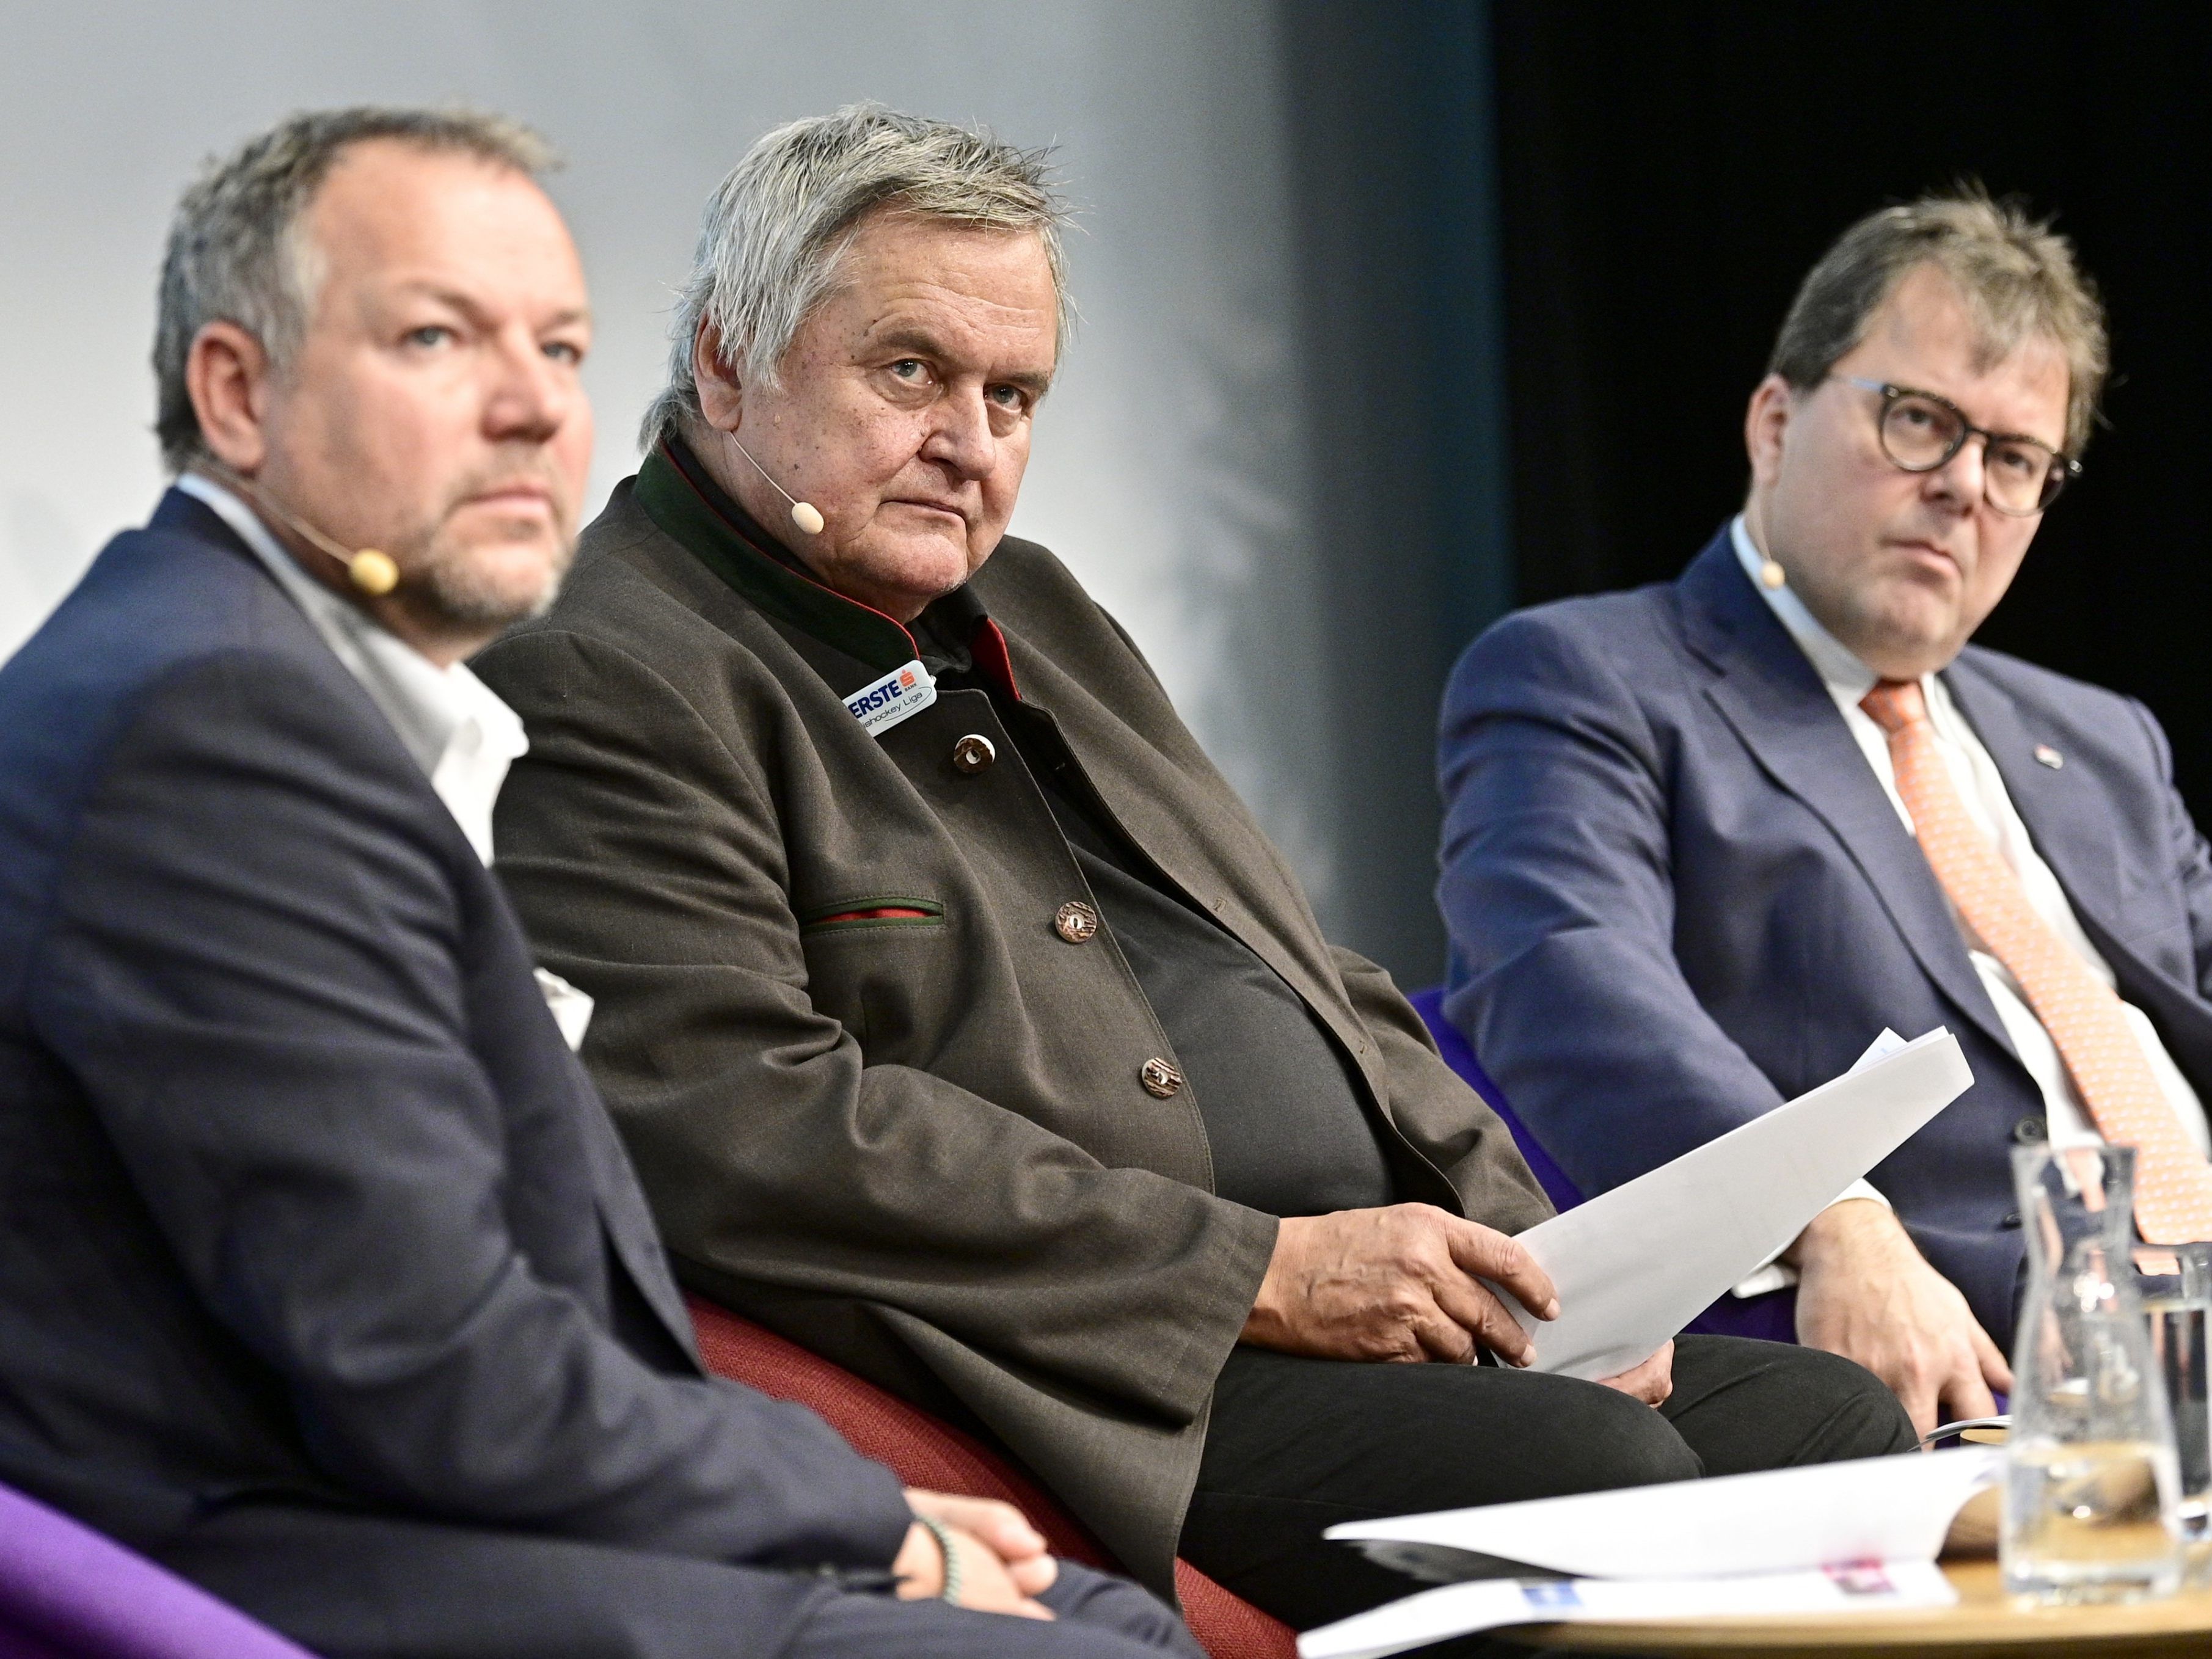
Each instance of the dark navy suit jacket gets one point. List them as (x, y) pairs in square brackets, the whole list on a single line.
[(1677, 894), (307, 1212)]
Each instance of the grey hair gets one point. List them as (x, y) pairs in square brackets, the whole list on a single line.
[(775, 230), (2016, 275), (236, 251)]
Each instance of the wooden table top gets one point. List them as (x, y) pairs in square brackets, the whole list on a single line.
[(1984, 1622)]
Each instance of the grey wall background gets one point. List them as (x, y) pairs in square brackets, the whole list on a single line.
[(1244, 454)]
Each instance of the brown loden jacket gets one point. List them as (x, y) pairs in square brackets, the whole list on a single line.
[(921, 1144)]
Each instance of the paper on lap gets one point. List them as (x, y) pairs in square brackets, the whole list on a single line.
[(1635, 1265)]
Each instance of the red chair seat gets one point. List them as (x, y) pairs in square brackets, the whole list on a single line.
[(933, 1454)]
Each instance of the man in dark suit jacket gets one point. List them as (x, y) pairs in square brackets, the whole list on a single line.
[(1680, 869), (327, 1282), (963, 1022)]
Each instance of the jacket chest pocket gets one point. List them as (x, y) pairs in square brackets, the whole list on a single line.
[(879, 964), (873, 913)]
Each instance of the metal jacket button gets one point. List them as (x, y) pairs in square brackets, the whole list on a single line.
[(1160, 1079), (973, 753), (2028, 1131), (1075, 922)]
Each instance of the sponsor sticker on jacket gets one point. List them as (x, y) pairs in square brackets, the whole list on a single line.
[(903, 692)]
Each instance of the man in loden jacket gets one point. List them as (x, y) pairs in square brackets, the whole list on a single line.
[(962, 1023)]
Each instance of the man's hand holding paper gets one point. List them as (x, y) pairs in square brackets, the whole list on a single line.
[(1410, 1282), (1405, 1282), (1652, 1381)]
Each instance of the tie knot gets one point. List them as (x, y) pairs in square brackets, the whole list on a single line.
[(1895, 704)]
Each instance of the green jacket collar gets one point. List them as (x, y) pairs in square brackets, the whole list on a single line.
[(677, 495)]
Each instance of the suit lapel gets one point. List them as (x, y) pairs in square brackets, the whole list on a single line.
[(2042, 795), (1771, 695)]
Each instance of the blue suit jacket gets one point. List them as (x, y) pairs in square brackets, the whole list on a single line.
[(309, 1221), (1677, 895)]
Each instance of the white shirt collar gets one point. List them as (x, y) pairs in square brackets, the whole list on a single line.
[(459, 732), (1832, 659)]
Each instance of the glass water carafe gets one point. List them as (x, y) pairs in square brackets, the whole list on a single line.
[(2092, 1484)]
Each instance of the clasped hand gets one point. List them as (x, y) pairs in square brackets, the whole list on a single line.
[(1004, 1565), (1405, 1283)]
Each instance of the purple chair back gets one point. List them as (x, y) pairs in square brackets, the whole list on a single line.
[(66, 1592), (1772, 1317), (1429, 1006)]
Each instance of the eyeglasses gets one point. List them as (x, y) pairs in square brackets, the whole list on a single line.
[(1920, 432)]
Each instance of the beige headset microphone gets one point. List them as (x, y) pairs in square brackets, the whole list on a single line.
[(368, 568), (1771, 575), (804, 514)]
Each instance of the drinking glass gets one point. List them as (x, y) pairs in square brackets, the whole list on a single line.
[(2176, 1285)]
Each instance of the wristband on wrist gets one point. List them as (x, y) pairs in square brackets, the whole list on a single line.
[(942, 1534)]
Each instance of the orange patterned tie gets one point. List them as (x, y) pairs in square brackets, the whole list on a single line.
[(2173, 1183)]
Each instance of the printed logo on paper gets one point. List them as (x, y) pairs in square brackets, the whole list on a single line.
[(1860, 1578), (1552, 1593)]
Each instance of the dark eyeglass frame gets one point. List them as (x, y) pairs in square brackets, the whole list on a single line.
[(2055, 478)]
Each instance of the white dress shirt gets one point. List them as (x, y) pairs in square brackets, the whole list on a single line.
[(1982, 792), (459, 732)]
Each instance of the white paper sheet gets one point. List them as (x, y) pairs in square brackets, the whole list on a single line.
[(1792, 1520), (1458, 1609), (1635, 1265), (1774, 1274)]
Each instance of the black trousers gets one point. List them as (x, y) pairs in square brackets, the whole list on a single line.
[(1297, 1445)]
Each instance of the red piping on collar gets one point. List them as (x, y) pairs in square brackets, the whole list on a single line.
[(987, 645), (806, 576)]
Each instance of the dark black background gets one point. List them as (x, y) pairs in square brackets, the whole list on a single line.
[(1666, 174)]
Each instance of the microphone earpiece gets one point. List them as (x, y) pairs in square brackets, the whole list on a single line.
[(371, 569), (804, 514)]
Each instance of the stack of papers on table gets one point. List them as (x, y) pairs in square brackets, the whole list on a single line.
[(1487, 1604), (1830, 1538)]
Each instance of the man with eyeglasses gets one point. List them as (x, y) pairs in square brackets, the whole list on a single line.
[(1706, 841)]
